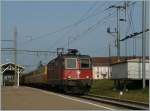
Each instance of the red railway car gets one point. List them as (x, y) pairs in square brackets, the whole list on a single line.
[(70, 72)]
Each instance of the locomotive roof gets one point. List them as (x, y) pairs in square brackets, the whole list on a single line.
[(71, 55)]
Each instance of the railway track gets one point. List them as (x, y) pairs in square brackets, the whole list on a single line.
[(108, 100), (118, 102)]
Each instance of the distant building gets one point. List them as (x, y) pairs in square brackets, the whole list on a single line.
[(130, 69), (102, 68)]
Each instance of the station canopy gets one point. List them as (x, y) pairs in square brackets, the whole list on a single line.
[(11, 67)]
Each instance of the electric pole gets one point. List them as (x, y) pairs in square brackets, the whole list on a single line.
[(126, 43), (15, 53), (109, 47), (68, 41), (118, 8), (118, 33), (143, 40)]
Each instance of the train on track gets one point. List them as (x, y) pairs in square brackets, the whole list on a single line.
[(70, 72)]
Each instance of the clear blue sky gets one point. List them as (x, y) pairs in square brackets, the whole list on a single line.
[(38, 19)]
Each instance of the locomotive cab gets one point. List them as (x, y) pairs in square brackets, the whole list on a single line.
[(77, 72)]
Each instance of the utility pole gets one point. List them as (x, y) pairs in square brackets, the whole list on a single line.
[(143, 40), (118, 34), (118, 28), (126, 43), (109, 46), (15, 55), (68, 42)]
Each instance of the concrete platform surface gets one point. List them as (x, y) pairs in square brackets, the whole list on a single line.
[(26, 98)]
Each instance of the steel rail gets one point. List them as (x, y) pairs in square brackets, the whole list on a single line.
[(107, 100), (124, 103)]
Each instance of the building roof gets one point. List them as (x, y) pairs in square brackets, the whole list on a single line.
[(10, 66), (101, 61), (106, 61), (136, 60)]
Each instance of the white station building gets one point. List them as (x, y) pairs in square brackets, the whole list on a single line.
[(130, 69)]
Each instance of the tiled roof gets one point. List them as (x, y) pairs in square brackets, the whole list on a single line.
[(105, 61)]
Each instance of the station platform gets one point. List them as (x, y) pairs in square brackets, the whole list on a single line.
[(27, 98)]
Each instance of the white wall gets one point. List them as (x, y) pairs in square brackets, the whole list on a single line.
[(101, 72), (135, 70), (119, 71), (129, 70)]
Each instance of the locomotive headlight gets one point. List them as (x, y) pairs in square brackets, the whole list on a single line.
[(69, 77), (87, 77)]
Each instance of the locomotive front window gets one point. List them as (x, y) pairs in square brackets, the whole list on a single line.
[(85, 63), (71, 63)]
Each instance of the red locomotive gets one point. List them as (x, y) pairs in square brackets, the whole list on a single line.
[(70, 72)]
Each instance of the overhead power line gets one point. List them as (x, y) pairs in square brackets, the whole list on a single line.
[(6, 40), (68, 26), (23, 50), (71, 25), (133, 35), (91, 27), (83, 18), (48, 34), (94, 25), (59, 30)]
